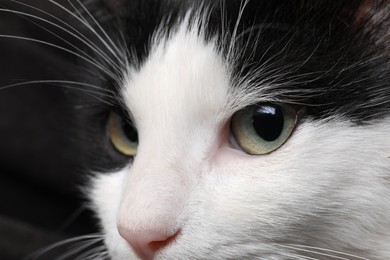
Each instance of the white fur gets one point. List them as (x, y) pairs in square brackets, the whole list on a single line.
[(328, 186)]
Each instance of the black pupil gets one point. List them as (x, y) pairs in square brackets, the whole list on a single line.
[(268, 121), (129, 131)]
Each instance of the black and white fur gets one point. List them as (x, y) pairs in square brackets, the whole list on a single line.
[(181, 69)]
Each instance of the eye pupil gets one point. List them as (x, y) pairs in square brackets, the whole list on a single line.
[(123, 134), (129, 131), (268, 122)]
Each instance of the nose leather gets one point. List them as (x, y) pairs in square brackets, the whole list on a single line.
[(146, 242)]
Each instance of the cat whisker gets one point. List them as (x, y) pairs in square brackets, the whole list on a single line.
[(118, 51), (103, 91), (70, 219), (327, 250), (99, 252), (95, 237), (111, 48), (78, 248), (71, 31), (322, 252), (56, 35), (103, 69), (77, 10), (295, 256), (96, 91)]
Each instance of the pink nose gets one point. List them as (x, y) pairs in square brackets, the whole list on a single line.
[(147, 242)]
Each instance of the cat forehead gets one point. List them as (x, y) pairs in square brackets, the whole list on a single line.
[(184, 75)]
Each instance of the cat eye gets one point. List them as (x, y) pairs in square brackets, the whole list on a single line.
[(263, 128), (122, 134)]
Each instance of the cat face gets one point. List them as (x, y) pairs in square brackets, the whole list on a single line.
[(252, 130)]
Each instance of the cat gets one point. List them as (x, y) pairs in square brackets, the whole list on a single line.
[(238, 129)]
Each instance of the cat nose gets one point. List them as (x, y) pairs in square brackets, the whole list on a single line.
[(146, 242), (149, 217)]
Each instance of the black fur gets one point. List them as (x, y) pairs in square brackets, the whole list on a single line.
[(331, 55)]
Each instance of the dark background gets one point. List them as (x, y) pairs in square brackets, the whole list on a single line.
[(41, 168)]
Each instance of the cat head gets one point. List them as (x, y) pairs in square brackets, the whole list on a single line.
[(245, 129)]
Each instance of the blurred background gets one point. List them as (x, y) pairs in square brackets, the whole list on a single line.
[(40, 157)]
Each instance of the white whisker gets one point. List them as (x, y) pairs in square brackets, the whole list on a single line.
[(295, 256), (49, 248), (70, 219), (99, 252), (87, 25), (118, 51), (71, 31), (77, 11), (78, 248), (96, 94), (104, 69), (327, 250), (61, 82), (322, 253), (61, 38)]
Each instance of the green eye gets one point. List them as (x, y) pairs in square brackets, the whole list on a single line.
[(122, 134), (263, 128)]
